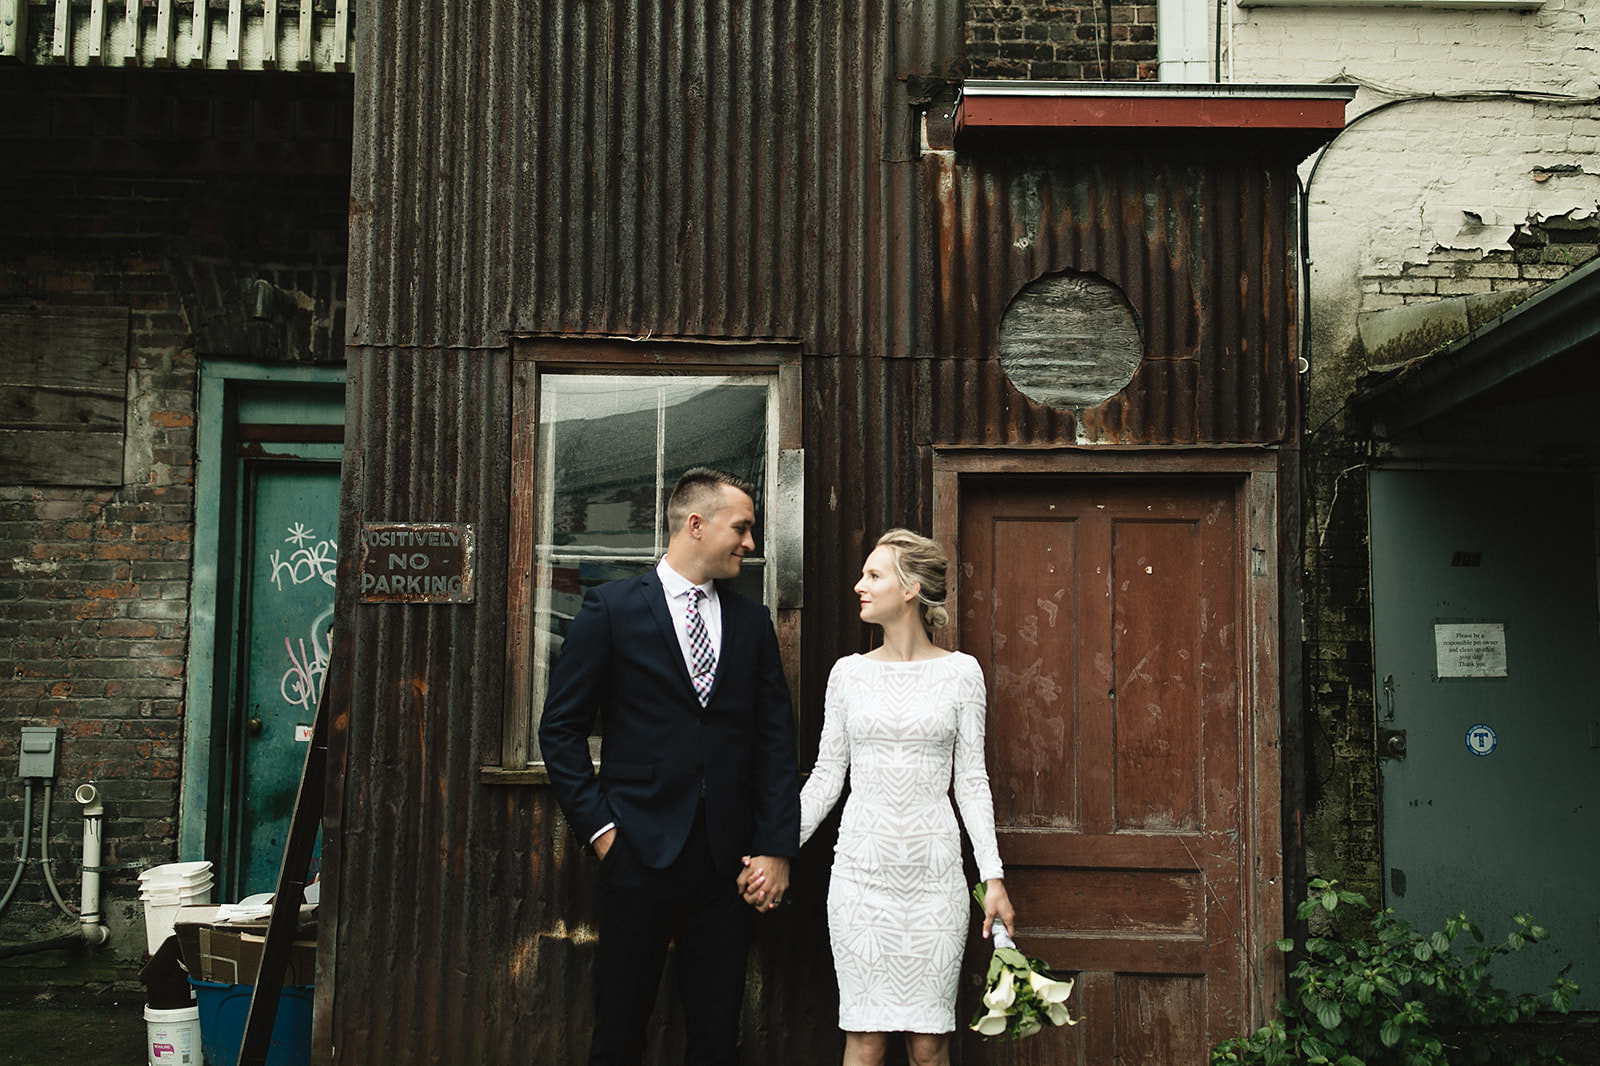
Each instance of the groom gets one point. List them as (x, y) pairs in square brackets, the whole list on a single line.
[(697, 768)]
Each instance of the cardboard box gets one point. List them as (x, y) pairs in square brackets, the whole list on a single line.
[(232, 956), (229, 952)]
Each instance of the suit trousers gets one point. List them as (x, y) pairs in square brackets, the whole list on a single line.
[(643, 910)]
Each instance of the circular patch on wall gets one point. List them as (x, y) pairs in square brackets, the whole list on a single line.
[(1070, 340)]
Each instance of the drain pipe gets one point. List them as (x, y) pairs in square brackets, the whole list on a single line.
[(89, 908)]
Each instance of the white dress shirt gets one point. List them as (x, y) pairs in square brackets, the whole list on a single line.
[(677, 587)]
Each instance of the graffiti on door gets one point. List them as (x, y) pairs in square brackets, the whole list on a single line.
[(303, 680), (312, 559)]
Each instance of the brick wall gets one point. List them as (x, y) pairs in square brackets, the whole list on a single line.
[(1072, 41), (94, 582), (1342, 818), (1541, 252)]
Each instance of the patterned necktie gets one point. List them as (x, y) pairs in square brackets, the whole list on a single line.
[(704, 659)]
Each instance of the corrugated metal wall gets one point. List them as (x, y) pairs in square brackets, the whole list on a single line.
[(692, 169), (730, 169)]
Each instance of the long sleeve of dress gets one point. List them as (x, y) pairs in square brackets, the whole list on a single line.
[(826, 782), (973, 798)]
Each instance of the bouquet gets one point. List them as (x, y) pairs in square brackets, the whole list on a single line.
[(1020, 995)]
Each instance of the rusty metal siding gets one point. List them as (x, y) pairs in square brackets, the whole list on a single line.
[(734, 169), (1198, 241), (463, 914), (417, 897), (670, 168)]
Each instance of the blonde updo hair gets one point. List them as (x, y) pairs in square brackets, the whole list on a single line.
[(920, 561)]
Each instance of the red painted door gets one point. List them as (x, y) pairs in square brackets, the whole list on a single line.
[(1106, 615)]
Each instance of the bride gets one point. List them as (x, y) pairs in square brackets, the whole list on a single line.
[(902, 721)]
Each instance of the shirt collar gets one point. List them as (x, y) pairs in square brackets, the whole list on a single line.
[(676, 584)]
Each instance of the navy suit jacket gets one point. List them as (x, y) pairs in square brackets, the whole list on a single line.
[(621, 663)]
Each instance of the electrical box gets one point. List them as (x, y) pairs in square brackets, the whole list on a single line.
[(41, 746)]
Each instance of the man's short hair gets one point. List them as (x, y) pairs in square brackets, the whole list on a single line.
[(699, 491)]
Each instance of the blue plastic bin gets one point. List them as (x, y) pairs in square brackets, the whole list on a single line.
[(224, 1009)]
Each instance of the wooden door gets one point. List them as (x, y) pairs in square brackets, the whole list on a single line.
[(1106, 614)]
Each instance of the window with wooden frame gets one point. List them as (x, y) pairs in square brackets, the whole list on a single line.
[(601, 431)]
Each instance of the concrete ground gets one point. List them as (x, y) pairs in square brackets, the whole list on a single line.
[(101, 1034)]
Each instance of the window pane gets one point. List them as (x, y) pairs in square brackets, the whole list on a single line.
[(611, 448), (751, 582), (598, 438), (719, 424), (569, 580)]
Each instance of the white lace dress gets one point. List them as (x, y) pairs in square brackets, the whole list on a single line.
[(898, 902)]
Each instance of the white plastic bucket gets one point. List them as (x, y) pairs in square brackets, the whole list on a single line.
[(176, 892), (176, 871), (159, 918), (172, 1037), (161, 914)]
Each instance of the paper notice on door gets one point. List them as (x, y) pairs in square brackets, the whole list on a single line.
[(1469, 649)]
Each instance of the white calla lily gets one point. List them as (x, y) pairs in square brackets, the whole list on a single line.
[(1058, 1014), (1048, 990), (1021, 998), (991, 1024), (1003, 994)]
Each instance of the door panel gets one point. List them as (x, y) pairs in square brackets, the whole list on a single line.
[(287, 573), (1034, 775), (1105, 613), (1514, 829)]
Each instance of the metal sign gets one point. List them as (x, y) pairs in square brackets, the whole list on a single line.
[(1481, 740), (416, 562)]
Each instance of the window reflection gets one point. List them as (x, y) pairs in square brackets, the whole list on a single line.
[(611, 449), (615, 446)]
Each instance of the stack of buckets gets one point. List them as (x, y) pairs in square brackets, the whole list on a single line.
[(173, 1034)]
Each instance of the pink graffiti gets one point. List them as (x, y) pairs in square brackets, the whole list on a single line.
[(302, 682)]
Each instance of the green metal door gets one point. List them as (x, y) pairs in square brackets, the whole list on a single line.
[(286, 576), (1486, 648)]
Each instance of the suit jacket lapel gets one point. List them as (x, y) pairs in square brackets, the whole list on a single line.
[(656, 601), (725, 605)]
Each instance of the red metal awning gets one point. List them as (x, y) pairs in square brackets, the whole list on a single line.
[(1035, 106)]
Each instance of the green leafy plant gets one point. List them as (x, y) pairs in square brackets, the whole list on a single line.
[(1397, 996)]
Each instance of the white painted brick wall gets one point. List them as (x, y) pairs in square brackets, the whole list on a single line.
[(1422, 48), (1421, 175)]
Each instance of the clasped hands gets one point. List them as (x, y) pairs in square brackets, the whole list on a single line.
[(763, 881)]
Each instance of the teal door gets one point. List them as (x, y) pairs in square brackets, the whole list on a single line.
[(286, 574), (1486, 648)]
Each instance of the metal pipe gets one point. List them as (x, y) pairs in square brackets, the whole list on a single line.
[(65, 940), (89, 906), (27, 831), (44, 853)]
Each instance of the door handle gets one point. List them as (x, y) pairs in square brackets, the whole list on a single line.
[(1392, 743), (254, 725)]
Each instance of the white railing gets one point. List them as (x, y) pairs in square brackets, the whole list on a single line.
[(260, 35)]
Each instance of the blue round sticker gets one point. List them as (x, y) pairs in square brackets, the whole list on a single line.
[(1481, 740)]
